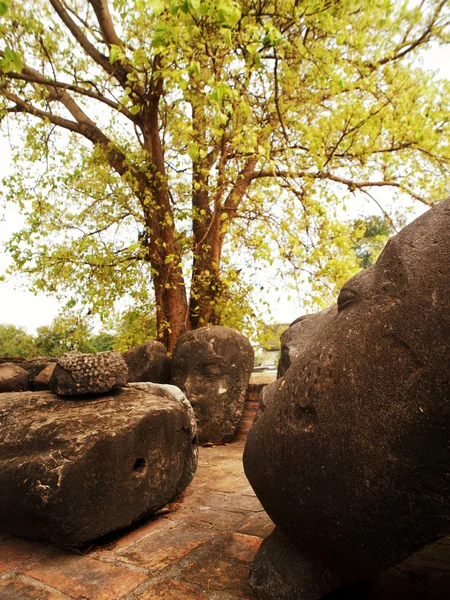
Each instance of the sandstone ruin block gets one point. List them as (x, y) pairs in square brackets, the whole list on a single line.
[(72, 470), (13, 378), (77, 373), (148, 362), (212, 365)]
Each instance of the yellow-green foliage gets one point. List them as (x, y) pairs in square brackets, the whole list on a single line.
[(306, 103)]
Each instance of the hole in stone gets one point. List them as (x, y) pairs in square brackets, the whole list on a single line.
[(139, 465)]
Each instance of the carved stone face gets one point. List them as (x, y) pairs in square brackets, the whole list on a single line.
[(349, 454), (212, 365)]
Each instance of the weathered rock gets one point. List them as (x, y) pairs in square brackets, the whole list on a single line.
[(300, 335), (77, 373), (13, 378), (36, 365), (33, 365), (42, 380), (148, 362), (174, 393), (349, 453), (73, 470), (212, 365)]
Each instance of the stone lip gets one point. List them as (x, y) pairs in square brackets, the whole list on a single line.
[(77, 374), (74, 470), (300, 335), (349, 453)]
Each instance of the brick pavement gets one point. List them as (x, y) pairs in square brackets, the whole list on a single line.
[(198, 548)]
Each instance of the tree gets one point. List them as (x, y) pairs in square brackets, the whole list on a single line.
[(372, 233), (67, 333), (16, 342), (133, 328), (167, 140)]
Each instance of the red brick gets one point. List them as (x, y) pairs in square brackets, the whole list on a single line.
[(158, 551), (252, 405), (161, 524), (172, 590), (15, 551), (83, 577), (17, 590), (240, 546), (259, 525)]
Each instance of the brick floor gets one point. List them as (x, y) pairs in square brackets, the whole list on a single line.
[(198, 548)]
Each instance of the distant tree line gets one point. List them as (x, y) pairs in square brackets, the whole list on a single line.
[(69, 333)]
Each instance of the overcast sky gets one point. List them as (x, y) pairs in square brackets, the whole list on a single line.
[(21, 308)]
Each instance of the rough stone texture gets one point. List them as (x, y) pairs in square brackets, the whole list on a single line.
[(301, 334), (13, 378), (174, 393), (198, 547), (349, 452), (42, 380), (34, 366), (73, 470), (212, 365), (148, 362), (77, 373)]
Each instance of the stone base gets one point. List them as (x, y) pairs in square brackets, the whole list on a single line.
[(281, 572)]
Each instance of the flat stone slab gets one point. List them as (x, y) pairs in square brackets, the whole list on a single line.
[(74, 470)]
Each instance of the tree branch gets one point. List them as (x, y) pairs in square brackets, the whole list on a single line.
[(21, 106), (84, 126), (101, 10), (244, 179), (31, 76), (102, 60), (408, 46), (352, 185)]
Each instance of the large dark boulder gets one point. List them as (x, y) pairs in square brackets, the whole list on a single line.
[(76, 373), (72, 470), (148, 362), (300, 334), (349, 452), (13, 378), (212, 365)]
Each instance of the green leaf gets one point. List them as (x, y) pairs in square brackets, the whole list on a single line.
[(114, 53), (12, 62), (193, 151)]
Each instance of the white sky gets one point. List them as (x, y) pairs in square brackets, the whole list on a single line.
[(22, 308)]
